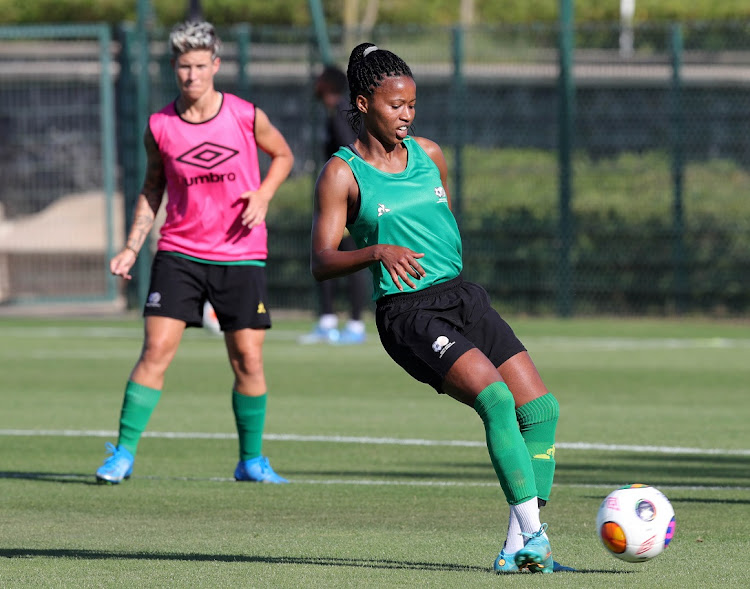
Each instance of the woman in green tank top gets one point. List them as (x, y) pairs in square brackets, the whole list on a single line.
[(390, 190)]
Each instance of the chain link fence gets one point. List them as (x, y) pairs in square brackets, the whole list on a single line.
[(655, 221), (57, 164)]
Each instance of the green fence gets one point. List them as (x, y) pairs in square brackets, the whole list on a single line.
[(58, 191), (608, 177)]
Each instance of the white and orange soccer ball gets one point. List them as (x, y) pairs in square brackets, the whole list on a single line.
[(635, 523), (210, 320)]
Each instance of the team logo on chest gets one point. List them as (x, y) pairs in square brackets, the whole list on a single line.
[(441, 195)]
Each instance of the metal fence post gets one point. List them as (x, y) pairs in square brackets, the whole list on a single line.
[(321, 31), (107, 134), (680, 285), (242, 34), (566, 104), (459, 125), (143, 83)]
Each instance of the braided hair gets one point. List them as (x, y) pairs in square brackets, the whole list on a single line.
[(368, 66)]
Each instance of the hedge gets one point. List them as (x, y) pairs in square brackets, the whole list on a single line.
[(626, 255)]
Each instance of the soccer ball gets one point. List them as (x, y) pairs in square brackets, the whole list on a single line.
[(635, 523), (210, 320)]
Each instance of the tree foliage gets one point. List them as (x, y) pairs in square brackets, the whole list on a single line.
[(391, 12)]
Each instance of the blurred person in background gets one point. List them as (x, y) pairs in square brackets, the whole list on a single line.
[(331, 88)]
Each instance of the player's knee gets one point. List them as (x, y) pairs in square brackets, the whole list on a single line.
[(496, 399), (542, 410), (156, 356), (554, 407), (505, 401), (248, 365)]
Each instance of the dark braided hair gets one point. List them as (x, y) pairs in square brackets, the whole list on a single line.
[(365, 72)]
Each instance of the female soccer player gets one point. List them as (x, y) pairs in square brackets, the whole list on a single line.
[(203, 148), (389, 189)]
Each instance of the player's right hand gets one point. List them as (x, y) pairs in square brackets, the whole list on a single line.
[(121, 264), (401, 263)]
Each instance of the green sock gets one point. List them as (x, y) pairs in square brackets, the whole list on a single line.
[(137, 407), (508, 453), (250, 417), (537, 420)]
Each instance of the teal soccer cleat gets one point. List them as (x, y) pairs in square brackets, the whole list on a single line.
[(257, 470), (536, 555), (505, 563), (116, 467)]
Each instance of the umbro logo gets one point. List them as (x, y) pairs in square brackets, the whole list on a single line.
[(382, 210), (207, 155)]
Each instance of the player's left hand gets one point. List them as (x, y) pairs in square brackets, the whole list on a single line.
[(256, 207)]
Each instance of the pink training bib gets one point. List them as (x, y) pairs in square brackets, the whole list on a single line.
[(208, 166)]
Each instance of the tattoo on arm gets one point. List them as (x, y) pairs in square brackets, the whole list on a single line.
[(142, 224), (150, 198)]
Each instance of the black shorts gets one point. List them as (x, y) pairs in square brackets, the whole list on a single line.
[(180, 287), (427, 331)]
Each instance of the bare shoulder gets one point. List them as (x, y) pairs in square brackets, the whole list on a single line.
[(261, 118), (432, 149), (430, 146), (153, 154), (336, 170), (336, 184)]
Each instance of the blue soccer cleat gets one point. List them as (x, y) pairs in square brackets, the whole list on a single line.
[(320, 335), (349, 337), (536, 555), (505, 563), (257, 470), (117, 466)]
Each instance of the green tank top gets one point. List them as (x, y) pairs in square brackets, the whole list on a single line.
[(409, 209)]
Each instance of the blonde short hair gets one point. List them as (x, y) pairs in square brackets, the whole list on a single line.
[(192, 35)]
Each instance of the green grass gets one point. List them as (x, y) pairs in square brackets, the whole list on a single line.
[(658, 402)]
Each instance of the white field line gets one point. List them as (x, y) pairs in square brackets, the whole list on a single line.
[(585, 342), (566, 344), (584, 446)]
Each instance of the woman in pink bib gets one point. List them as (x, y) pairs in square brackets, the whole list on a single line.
[(202, 149)]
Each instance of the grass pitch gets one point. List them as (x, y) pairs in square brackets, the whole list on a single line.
[(392, 485)]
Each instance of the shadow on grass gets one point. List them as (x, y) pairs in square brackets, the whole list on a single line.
[(658, 469), (312, 560), (50, 477), (707, 500), (353, 475)]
